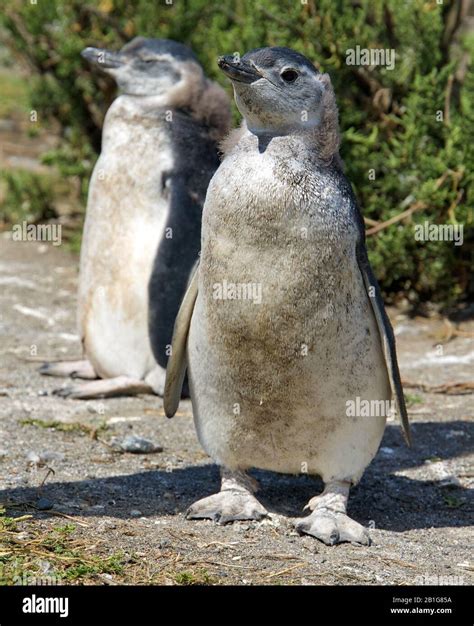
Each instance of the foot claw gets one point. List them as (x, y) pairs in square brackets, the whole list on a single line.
[(71, 391), (333, 527), (75, 369), (227, 506), (63, 392)]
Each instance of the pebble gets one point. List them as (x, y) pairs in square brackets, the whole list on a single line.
[(45, 566), (43, 504), (40, 458), (97, 507), (455, 433), (450, 481), (135, 513), (33, 458), (49, 455), (3, 453), (96, 408), (139, 445), (23, 536)]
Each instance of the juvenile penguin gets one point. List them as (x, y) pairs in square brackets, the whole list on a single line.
[(283, 328), (143, 219)]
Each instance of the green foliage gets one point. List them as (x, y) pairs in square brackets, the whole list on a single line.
[(399, 154), (13, 94), (25, 196), (199, 577), (70, 558)]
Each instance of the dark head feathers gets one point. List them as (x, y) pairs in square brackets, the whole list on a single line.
[(269, 57), (160, 46)]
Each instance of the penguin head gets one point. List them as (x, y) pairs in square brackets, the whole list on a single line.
[(277, 90), (148, 67)]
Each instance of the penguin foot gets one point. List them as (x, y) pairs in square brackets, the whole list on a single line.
[(234, 502), (74, 369), (332, 527), (104, 388), (328, 521), (227, 506)]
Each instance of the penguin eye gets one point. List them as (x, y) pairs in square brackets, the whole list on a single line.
[(289, 76)]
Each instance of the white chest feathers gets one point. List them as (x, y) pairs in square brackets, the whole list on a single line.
[(126, 216)]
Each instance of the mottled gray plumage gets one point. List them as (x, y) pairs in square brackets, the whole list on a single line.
[(270, 382), (143, 220)]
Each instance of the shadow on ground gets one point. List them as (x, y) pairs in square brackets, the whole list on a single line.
[(384, 499)]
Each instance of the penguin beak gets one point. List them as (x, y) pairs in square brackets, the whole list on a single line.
[(238, 70), (103, 59)]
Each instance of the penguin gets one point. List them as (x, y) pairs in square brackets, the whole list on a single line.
[(143, 219), (283, 329)]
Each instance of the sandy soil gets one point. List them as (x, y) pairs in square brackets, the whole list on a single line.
[(416, 501)]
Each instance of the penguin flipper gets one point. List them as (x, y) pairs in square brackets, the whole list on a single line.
[(386, 335), (176, 368)]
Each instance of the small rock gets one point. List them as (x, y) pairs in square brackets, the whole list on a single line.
[(72, 504), (94, 408), (44, 504), (3, 453), (119, 420), (455, 433), (97, 507), (45, 566), (387, 451), (450, 481), (135, 513), (42, 392), (23, 536), (139, 445), (49, 455), (164, 543), (40, 458), (33, 458)]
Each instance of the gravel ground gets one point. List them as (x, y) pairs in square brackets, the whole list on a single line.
[(417, 501)]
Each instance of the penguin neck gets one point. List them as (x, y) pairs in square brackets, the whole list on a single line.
[(308, 140), (135, 108)]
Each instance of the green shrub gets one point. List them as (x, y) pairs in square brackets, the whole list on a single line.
[(26, 197), (399, 155)]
